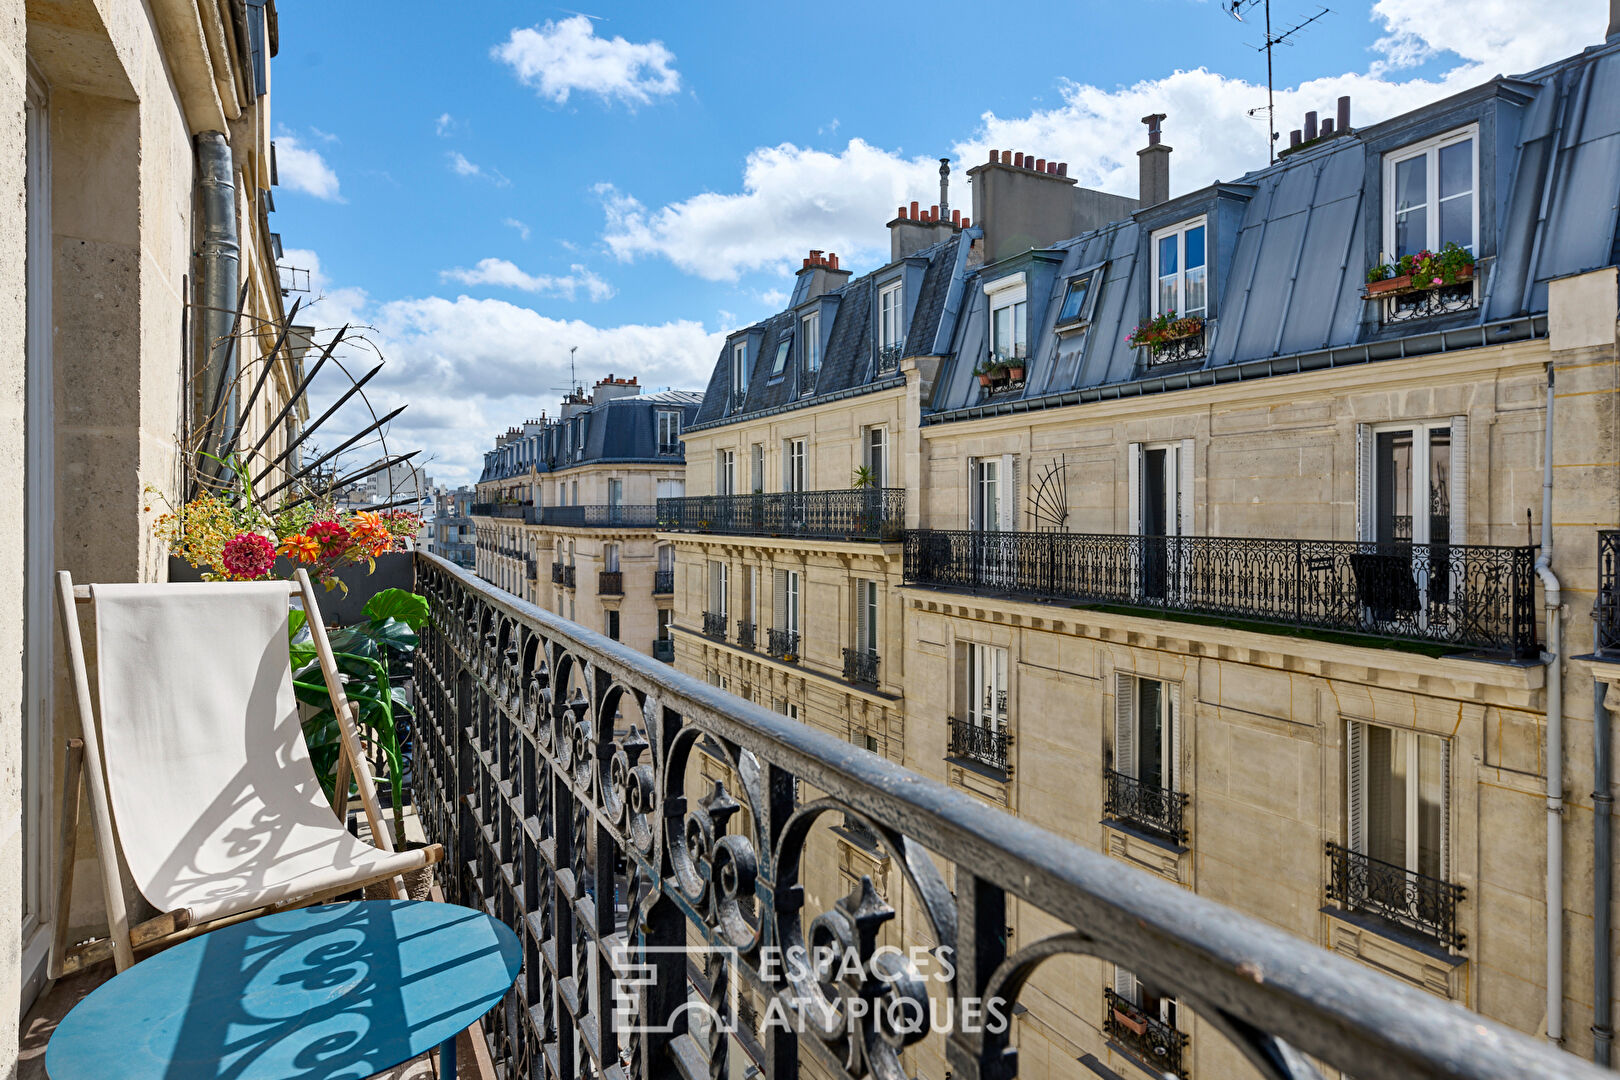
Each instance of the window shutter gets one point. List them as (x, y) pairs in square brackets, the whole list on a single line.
[(793, 600), (1355, 787), (1124, 724), (863, 641), (1172, 693), (1445, 806), (974, 475), (725, 588), (1009, 492), (1365, 523), (1184, 489), (779, 599), (1125, 984), (1459, 480), (1133, 488)]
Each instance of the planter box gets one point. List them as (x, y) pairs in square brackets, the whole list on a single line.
[(395, 570), (1132, 1023), (1405, 284)]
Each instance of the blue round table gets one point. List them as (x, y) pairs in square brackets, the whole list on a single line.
[(337, 992)]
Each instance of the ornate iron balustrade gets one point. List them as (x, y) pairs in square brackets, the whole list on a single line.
[(610, 583), (745, 634), (853, 514), (532, 566), (664, 649), (975, 742), (1153, 808), (1422, 903), (599, 516), (669, 448), (1427, 303), (1606, 613), (568, 576), (554, 766), (888, 358), (663, 581), (861, 667), (556, 573), (480, 509), (1466, 596), (1176, 351), (782, 644), (714, 625), (1157, 1044), (510, 510)]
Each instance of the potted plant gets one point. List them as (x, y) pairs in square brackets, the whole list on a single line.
[(864, 478), (989, 371), (1164, 329), (1126, 1020), (1416, 272)]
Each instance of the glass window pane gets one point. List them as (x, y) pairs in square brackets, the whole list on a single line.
[(1457, 168), (1411, 182), (1195, 292), (1457, 221), (1439, 486), (1000, 330), (1386, 794), (1167, 294), (1167, 255), (1074, 301), (1430, 805), (1411, 232), (1020, 327), (1195, 247), (1393, 483), (1150, 732)]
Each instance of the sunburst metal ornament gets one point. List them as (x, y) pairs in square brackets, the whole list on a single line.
[(1049, 498)]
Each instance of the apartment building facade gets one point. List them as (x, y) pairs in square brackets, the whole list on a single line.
[(564, 514)]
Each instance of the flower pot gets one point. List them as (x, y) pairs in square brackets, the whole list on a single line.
[(984, 380), (1389, 285), (1129, 1022), (1465, 274), (1015, 372)]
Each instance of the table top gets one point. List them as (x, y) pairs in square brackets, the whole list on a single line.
[(320, 993)]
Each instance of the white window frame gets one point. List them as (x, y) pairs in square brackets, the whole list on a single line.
[(1357, 789), (719, 587), (725, 472), (987, 677), (891, 314), (810, 343), (739, 372), (1367, 478), (865, 630), (1127, 723), (795, 464), (1430, 148), (1180, 230), (1093, 279), (1011, 292), (875, 448), (669, 428)]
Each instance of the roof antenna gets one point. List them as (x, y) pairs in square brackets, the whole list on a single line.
[(573, 380), (944, 184), (1236, 8)]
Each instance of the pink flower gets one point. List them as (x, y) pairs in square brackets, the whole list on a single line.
[(1437, 281), (248, 556)]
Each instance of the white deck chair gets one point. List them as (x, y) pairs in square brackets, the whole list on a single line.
[(200, 782)]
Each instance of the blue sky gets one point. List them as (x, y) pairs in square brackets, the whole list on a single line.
[(487, 190)]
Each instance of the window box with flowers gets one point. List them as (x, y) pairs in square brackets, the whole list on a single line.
[(1421, 272), (1000, 374), (1169, 338)]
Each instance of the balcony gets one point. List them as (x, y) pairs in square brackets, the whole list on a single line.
[(1150, 1040), (510, 510), (610, 583), (861, 667), (599, 516), (481, 509), (1466, 597), (557, 573), (1155, 809), (531, 567), (664, 649), (663, 582), (568, 577), (745, 634), (714, 625), (976, 742), (888, 358), (1416, 901), (850, 514), (782, 645), (514, 747), (1606, 612)]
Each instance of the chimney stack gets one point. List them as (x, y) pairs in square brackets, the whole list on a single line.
[(820, 274), (1343, 124), (1023, 201), (944, 187), (1155, 164), (919, 227)]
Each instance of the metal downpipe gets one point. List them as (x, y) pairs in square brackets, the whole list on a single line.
[(1555, 743), (1602, 876), (218, 278)]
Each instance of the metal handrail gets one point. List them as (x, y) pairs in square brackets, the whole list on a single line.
[(861, 667), (848, 514), (978, 742), (1156, 809), (1420, 902)]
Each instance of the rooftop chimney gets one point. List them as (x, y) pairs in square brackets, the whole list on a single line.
[(921, 227), (1154, 159), (820, 274), (944, 188), (1023, 201)]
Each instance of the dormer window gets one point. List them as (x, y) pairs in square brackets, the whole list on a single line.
[(1077, 299), (739, 373), (783, 348), (669, 432), (891, 314), (1180, 272), (1429, 195), (810, 345), (1009, 318)]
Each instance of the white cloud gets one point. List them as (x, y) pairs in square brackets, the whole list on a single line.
[(793, 199), (507, 275), (558, 58), (1497, 37), (462, 167), (444, 125), (775, 299), (301, 168), (469, 368), (514, 223), (324, 136)]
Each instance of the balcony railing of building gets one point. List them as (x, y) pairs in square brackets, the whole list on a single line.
[(1152, 1041), (532, 565), (555, 767), (568, 576), (714, 625), (664, 649), (1425, 904), (600, 516), (1606, 612), (610, 583), (481, 509), (1469, 597), (861, 667), (850, 514), (510, 510), (888, 357), (782, 644), (1176, 350), (977, 742), (663, 582), (1145, 806), (556, 573), (745, 634)]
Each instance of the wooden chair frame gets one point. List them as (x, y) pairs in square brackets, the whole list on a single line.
[(84, 759)]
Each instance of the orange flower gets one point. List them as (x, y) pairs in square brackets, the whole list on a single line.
[(303, 548)]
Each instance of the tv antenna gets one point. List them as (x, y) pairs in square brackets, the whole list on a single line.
[(572, 378), (1236, 8)]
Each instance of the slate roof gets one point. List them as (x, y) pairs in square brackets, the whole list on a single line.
[(849, 361), (621, 430), (1289, 246)]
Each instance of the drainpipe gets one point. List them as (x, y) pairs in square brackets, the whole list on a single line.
[(217, 286), (1602, 876), (1555, 743)]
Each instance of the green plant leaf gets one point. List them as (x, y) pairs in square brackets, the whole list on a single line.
[(407, 607), (395, 635)]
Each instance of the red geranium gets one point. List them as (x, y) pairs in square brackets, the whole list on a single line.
[(248, 556)]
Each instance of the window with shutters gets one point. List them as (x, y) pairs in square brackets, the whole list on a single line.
[(891, 316), (1142, 1020), (783, 638), (718, 587), (613, 624), (725, 472), (810, 348), (756, 468), (986, 698), (876, 445), (739, 373), (794, 465), (1141, 782), (610, 558), (866, 615), (1412, 503)]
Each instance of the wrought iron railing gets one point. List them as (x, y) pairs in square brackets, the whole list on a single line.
[(888, 357), (568, 576), (669, 448), (557, 573), (1467, 596), (1179, 350), (510, 510), (782, 644), (1427, 303), (1606, 612), (1153, 808), (663, 581), (1417, 901), (610, 583), (977, 742), (555, 765), (1155, 1043), (861, 667), (600, 516), (852, 514), (714, 625), (481, 509), (664, 649), (532, 565), (745, 634)]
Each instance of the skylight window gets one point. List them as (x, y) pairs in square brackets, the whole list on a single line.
[(784, 349), (1074, 300)]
